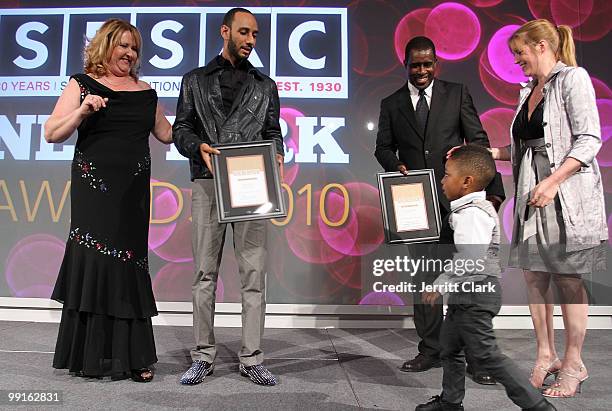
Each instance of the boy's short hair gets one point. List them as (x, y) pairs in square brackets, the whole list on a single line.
[(475, 161)]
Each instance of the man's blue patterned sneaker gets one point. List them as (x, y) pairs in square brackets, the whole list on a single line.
[(197, 372), (258, 374)]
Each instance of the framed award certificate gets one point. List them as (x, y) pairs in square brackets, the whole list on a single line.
[(247, 182), (409, 203)]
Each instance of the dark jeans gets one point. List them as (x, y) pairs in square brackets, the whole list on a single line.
[(469, 325)]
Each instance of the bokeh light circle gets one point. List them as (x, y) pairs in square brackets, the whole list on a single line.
[(382, 298), (571, 12), (484, 3), (508, 217), (165, 205), (500, 57), (454, 29), (177, 247), (601, 89), (411, 25), (499, 89), (174, 280), (32, 265), (496, 123), (292, 138), (604, 107)]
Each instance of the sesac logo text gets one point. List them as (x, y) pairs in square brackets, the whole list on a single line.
[(304, 49)]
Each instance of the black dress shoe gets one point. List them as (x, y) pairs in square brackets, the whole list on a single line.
[(481, 377), (541, 406), (421, 363), (437, 404)]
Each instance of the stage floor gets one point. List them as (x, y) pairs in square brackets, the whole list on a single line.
[(319, 369)]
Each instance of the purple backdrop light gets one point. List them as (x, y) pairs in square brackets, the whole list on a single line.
[(376, 62), (365, 202), (177, 247), (306, 241), (606, 178), (540, 9), (496, 123), (594, 16), (165, 205), (601, 89), (604, 157), (381, 298), (362, 232), (604, 106), (508, 217), (372, 90), (362, 235), (347, 271), (484, 3), (342, 238), (411, 25), (571, 12), (454, 29), (289, 115), (500, 57), (598, 24), (35, 291), (499, 89), (297, 282), (610, 231), (361, 46), (371, 234), (32, 265), (174, 280)]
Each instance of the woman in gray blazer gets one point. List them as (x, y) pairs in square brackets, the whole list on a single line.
[(559, 218)]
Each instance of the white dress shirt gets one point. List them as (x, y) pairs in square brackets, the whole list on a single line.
[(471, 225), (414, 94)]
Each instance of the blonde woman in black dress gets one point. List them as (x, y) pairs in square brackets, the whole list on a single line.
[(104, 281)]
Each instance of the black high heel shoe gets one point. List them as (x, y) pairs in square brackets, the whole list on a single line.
[(139, 375)]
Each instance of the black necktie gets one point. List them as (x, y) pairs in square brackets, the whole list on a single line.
[(422, 111)]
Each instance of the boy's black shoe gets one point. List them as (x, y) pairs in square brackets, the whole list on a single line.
[(437, 404), (481, 377), (421, 363), (541, 406)]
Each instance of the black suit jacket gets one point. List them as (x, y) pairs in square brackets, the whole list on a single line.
[(452, 121)]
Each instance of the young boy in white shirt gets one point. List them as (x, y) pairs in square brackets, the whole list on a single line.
[(473, 287)]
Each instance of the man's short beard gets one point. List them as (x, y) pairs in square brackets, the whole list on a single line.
[(233, 50)]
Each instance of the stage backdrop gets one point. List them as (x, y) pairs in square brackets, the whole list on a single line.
[(333, 63)]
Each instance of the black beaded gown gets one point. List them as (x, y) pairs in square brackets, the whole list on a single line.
[(104, 281)]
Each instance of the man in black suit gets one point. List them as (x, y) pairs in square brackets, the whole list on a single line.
[(421, 122)]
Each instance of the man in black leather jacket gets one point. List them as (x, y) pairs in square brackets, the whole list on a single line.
[(227, 101)]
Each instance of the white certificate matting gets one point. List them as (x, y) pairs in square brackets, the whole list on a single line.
[(409, 207), (247, 181)]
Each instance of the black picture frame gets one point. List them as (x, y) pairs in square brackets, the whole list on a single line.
[(247, 182), (415, 194)]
